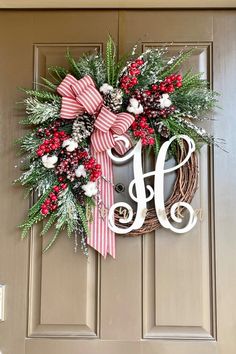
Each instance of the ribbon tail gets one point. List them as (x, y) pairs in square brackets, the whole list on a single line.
[(101, 238)]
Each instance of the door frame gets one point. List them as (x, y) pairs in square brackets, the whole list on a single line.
[(117, 4)]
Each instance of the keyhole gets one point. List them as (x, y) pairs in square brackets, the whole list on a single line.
[(119, 188)]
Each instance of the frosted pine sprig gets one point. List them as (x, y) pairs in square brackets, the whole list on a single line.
[(40, 112)]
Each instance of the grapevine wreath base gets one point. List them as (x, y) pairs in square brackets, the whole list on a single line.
[(184, 189)]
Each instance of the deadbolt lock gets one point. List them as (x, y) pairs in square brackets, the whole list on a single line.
[(119, 187)]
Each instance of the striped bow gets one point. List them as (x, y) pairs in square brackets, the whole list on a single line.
[(79, 96)]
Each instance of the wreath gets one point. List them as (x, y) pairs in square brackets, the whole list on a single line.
[(79, 114)]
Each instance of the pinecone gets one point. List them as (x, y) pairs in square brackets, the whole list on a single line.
[(163, 130), (113, 100), (83, 127)]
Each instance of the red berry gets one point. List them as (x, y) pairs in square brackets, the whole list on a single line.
[(134, 81), (54, 207), (144, 141), (178, 84), (40, 152), (134, 65), (162, 87), (47, 201), (54, 198), (142, 124), (56, 188), (179, 77), (170, 89), (139, 62), (151, 141), (155, 87), (168, 80), (45, 211), (63, 186)]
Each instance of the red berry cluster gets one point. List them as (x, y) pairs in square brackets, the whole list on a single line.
[(51, 203), (169, 84), (69, 161), (53, 143), (130, 80), (93, 168), (141, 129)]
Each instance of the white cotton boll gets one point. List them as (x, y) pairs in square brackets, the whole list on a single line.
[(135, 106), (165, 102), (80, 171), (70, 145), (106, 88), (90, 189), (49, 161)]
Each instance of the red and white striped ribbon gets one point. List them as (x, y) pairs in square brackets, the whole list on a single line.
[(79, 96)]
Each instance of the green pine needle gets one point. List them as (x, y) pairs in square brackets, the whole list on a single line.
[(83, 218), (51, 242), (49, 84), (111, 61), (58, 73), (51, 221), (43, 96), (73, 66)]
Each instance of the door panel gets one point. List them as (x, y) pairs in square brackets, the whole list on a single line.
[(51, 282), (164, 293), (186, 276)]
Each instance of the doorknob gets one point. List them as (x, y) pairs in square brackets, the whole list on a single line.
[(2, 301)]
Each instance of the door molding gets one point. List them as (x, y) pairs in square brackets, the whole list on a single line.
[(122, 4)]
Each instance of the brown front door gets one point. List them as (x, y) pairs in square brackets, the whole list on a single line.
[(164, 293)]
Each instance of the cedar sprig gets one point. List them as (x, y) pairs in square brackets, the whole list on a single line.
[(58, 73), (42, 95), (74, 70), (50, 222), (111, 56)]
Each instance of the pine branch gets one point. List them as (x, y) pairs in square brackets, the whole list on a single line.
[(175, 63), (30, 221), (58, 73), (73, 66), (51, 221), (29, 143), (179, 126), (51, 242), (83, 219), (39, 112), (157, 144), (67, 215), (43, 96), (49, 84), (94, 66), (196, 102), (111, 61), (37, 206)]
